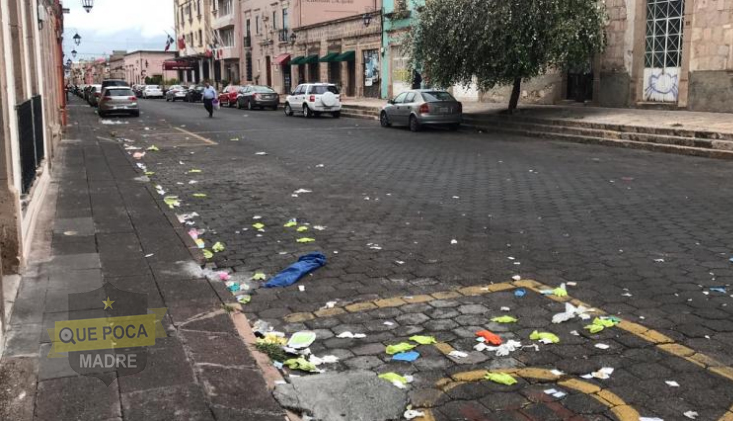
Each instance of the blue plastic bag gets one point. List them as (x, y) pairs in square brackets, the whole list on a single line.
[(305, 265)]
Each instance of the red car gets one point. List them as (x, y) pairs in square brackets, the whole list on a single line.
[(229, 95)]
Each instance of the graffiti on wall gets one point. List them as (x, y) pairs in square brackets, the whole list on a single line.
[(661, 85)]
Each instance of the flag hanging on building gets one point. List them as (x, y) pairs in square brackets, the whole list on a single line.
[(168, 43), (181, 44)]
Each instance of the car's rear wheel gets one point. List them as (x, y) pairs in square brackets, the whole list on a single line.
[(384, 119), (136, 113), (453, 127), (307, 113), (414, 124), (336, 114), (288, 110), (274, 108), (101, 114), (239, 104)]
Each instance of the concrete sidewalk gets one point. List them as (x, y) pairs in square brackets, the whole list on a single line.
[(103, 226)]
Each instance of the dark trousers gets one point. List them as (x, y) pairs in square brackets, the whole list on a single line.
[(209, 105)]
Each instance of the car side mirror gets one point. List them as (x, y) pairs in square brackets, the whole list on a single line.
[(390, 102)]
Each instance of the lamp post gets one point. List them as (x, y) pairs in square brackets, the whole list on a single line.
[(293, 37), (73, 53), (367, 18), (87, 5), (77, 39)]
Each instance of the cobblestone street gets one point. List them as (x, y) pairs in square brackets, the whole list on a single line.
[(433, 233)]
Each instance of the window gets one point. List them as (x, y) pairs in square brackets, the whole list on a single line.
[(248, 65), (437, 96), (198, 8), (262, 90), (664, 33), (286, 20), (274, 19), (227, 37), (118, 92), (201, 38), (257, 24), (410, 98), (320, 89), (400, 98)]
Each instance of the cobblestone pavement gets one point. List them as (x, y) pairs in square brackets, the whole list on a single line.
[(427, 230)]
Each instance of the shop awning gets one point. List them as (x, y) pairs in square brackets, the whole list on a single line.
[(177, 65), (282, 59), (346, 56), (313, 58), (329, 57), (297, 60)]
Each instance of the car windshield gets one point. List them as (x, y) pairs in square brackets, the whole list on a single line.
[(436, 96), (119, 92), (263, 89), (320, 89), (114, 83)]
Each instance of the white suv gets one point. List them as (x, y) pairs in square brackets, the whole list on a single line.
[(312, 99), (152, 91)]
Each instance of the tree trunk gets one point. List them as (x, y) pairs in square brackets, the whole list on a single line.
[(514, 100)]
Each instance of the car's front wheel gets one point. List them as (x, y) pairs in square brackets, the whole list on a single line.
[(229, 103), (307, 113), (414, 124), (239, 104), (453, 127), (249, 105), (336, 114), (288, 110), (384, 119)]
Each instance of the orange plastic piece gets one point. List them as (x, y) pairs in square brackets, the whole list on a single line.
[(491, 338)]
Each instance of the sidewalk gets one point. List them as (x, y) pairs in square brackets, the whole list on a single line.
[(100, 226), (688, 120)]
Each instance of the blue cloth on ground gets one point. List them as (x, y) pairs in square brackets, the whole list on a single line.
[(406, 356), (305, 265)]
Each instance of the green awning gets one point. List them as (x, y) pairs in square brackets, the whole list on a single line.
[(329, 57), (346, 56), (296, 60), (310, 59)]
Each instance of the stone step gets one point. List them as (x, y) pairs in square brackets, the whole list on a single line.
[(649, 146), (609, 134), (666, 131)]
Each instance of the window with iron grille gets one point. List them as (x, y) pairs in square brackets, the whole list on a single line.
[(248, 65), (664, 19)]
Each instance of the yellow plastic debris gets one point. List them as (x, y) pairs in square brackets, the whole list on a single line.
[(199, 195), (501, 378), (544, 336), (393, 377), (218, 247), (504, 319), (302, 229), (259, 276), (153, 148), (208, 254), (400, 347), (258, 225), (305, 240), (423, 340)]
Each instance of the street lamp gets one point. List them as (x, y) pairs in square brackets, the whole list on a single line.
[(73, 53), (293, 37), (367, 18), (68, 63), (87, 5), (77, 39)]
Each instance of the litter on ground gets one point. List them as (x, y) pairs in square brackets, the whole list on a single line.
[(501, 378), (305, 265)]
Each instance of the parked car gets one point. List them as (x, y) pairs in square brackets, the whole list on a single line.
[(138, 90), (256, 96), (95, 91), (176, 92), (107, 83), (118, 99), (152, 91), (194, 93), (313, 99), (422, 107), (229, 95), (85, 94)]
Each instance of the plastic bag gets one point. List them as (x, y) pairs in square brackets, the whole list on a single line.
[(215, 103)]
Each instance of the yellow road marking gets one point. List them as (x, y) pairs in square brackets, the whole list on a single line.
[(659, 340), (622, 410), (199, 137)]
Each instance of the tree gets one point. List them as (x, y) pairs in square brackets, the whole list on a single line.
[(501, 42)]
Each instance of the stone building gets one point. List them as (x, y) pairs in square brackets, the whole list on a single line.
[(32, 117), (194, 37), (267, 47), (226, 26)]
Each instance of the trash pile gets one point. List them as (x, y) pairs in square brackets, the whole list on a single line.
[(293, 353)]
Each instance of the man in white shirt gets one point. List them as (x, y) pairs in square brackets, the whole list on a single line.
[(209, 95)]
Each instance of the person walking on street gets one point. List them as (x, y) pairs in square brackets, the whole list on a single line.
[(209, 95)]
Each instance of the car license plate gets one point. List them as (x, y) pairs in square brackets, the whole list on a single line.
[(444, 110)]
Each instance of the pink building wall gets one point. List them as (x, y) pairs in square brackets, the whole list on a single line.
[(139, 64), (309, 12)]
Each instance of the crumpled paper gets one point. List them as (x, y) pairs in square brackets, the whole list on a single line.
[(502, 350), (571, 312)]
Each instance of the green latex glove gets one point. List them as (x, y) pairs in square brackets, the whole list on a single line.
[(301, 364), (501, 378), (401, 347), (560, 292), (504, 319), (258, 225), (302, 229), (424, 340), (207, 254), (393, 377), (536, 336), (290, 224), (305, 240), (217, 247), (200, 195), (153, 148), (259, 276)]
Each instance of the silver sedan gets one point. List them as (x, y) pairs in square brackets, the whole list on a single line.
[(422, 107)]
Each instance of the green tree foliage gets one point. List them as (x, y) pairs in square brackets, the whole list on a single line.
[(501, 42)]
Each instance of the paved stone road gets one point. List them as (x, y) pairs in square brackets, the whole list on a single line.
[(419, 227)]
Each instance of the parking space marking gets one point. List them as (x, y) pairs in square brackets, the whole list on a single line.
[(660, 340), (199, 137), (622, 410)]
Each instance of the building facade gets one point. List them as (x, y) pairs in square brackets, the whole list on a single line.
[(138, 65), (266, 48), (226, 26), (194, 37), (32, 118)]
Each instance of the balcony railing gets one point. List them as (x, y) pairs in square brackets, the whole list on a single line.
[(283, 35)]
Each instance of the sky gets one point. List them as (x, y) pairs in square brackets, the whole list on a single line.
[(117, 25)]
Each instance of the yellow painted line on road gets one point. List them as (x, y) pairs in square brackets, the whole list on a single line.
[(660, 340), (622, 410), (199, 137)]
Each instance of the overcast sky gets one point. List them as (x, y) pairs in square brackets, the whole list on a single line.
[(117, 25)]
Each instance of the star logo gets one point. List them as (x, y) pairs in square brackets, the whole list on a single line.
[(108, 303)]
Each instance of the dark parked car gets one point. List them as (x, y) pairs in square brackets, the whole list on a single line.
[(256, 96), (194, 93)]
